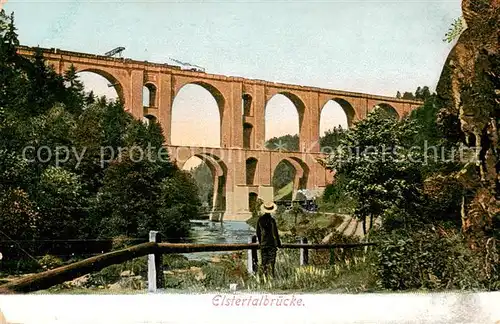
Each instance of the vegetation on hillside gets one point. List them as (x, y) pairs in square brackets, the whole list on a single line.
[(62, 177)]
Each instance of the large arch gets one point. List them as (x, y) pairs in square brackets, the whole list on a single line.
[(279, 105), (300, 177), (345, 107), (197, 114), (101, 83), (219, 172), (304, 174), (213, 90)]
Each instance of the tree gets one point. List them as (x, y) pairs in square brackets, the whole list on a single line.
[(60, 205), (398, 95), (408, 95), (179, 203), (75, 91), (375, 160), (94, 191), (418, 93), (332, 138), (128, 200), (204, 181), (287, 143), (46, 87)]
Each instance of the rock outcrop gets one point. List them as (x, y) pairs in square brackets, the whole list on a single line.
[(469, 94)]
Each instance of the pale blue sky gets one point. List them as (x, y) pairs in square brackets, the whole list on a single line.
[(376, 47)]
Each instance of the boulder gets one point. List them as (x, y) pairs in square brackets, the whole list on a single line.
[(80, 281)]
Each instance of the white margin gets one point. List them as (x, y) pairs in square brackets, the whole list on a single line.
[(176, 308)]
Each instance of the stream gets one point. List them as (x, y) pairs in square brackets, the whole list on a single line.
[(205, 231)]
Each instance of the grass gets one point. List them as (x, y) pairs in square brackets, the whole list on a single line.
[(350, 273), (350, 276)]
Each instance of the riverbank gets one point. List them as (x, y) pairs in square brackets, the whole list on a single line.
[(182, 275), (336, 270)]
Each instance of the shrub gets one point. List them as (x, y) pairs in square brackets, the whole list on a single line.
[(427, 259), (50, 262), (111, 274)]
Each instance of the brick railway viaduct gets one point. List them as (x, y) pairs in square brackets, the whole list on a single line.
[(242, 169)]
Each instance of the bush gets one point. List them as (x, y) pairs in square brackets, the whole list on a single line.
[(111, 274), (59, 200), (50, 262), (427, 259)]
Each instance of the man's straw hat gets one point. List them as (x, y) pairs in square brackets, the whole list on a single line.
[(268, 207)]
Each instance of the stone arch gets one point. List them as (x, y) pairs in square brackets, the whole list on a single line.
[(246, 103), (348, 109), (113, 81), (149, 95), (216, 97), (213, 90), (251, 168), (220, 175), (388, 108), (299, 105), (305, 171), (248, 140), (301, 173)]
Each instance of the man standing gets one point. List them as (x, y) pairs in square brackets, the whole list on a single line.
[(269, 240)]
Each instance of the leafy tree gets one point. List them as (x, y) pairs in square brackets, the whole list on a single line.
[(74, 198), (60, 207), (18, 214), (398, 95), (75, 91), (204, 181), (46, 87), (179, 203), (422, 93), (331, 139), (128, 200), (283, 175), (379, 169), (287, 143), (90, 98), (408, 95)]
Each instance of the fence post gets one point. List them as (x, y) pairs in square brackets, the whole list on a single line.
[(332, 257), (155, 270), (252, 262), (255, 263), (304, 253)]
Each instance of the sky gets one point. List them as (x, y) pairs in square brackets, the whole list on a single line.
[(376, 47)]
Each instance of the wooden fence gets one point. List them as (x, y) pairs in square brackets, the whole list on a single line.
[(154, 249)]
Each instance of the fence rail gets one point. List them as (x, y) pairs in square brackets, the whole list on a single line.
[(154, 249)]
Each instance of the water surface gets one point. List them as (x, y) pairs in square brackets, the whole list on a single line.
[(205, 232)]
